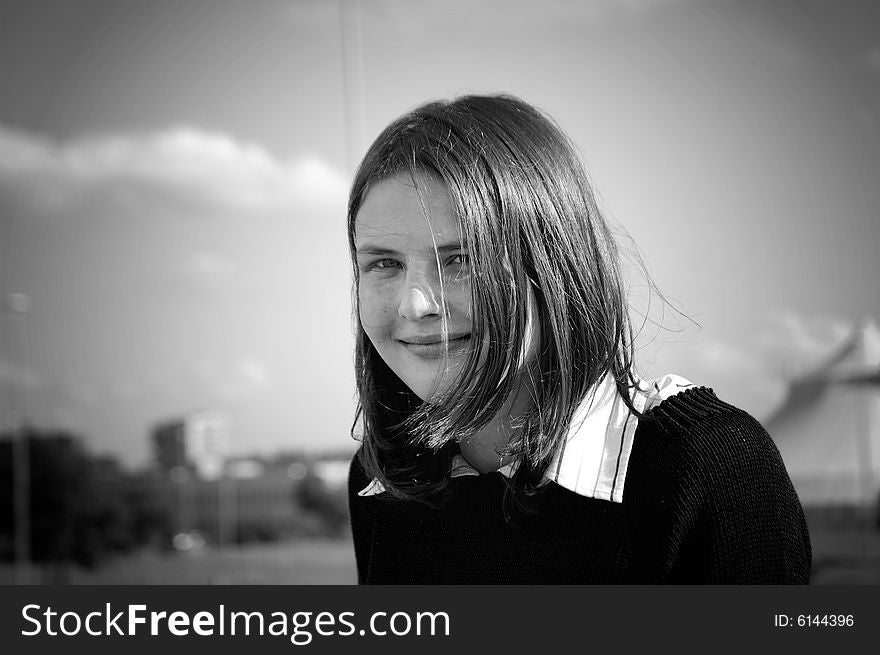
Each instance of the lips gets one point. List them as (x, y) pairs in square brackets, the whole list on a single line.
[(434, 346), (433, 338)]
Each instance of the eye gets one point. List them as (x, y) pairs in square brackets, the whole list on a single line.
[(458, 267), (384, 264)]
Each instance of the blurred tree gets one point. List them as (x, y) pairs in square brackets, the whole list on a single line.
[(83, 508), (329, 503)]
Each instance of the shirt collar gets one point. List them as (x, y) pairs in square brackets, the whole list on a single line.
[(593, 459)]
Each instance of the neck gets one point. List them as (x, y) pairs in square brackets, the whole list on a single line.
[(484, 449)]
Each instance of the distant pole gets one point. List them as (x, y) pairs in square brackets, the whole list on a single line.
[(226, 516), (232, 505), (864, 455), (221, 513), (865, 386), (351, 38), (227, 531), (17, 305)]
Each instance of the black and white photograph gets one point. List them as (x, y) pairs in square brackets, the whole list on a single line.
[(439, 292)]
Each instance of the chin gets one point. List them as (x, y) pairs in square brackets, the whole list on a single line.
[(428, 381), (428, 389)]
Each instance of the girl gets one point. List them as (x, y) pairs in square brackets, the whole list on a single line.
[(506, 437)]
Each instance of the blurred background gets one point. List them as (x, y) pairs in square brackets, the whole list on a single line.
[(176, 354)]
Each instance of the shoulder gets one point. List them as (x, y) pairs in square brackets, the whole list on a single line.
[(695, 443), (695, 437), (696, 419), (716, 471)]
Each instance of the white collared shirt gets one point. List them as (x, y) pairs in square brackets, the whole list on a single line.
[(593, 459)]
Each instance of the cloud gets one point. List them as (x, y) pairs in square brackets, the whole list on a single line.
[(210, 267), (209, 166), (793, 344), (738, 374), (254, 371), (754, 372), (246, 377)]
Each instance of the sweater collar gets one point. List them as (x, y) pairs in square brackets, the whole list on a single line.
[(593, 459)]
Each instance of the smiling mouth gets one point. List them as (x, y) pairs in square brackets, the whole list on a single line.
[(433, 348)]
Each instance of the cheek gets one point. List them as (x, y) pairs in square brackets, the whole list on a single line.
[(377, 310), (458, 300)]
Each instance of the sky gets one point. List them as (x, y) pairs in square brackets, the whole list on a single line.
[(173, 181)]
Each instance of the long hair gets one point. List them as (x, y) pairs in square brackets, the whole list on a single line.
[(531, 224)]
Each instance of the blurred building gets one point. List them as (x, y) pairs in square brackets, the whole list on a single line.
[(225, 499), (197, 442), (250, 501)]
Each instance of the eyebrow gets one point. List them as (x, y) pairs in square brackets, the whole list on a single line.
[(374, 249)]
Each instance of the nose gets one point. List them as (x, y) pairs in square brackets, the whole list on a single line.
[(421, 297)]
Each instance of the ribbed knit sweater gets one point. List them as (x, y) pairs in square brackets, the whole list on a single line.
[(707, 500)]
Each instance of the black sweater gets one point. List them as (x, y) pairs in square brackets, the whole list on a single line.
[(706, 500)]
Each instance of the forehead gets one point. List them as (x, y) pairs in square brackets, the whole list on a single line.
[(400, 212)]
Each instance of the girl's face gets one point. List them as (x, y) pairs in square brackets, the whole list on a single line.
[(409, 248)]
